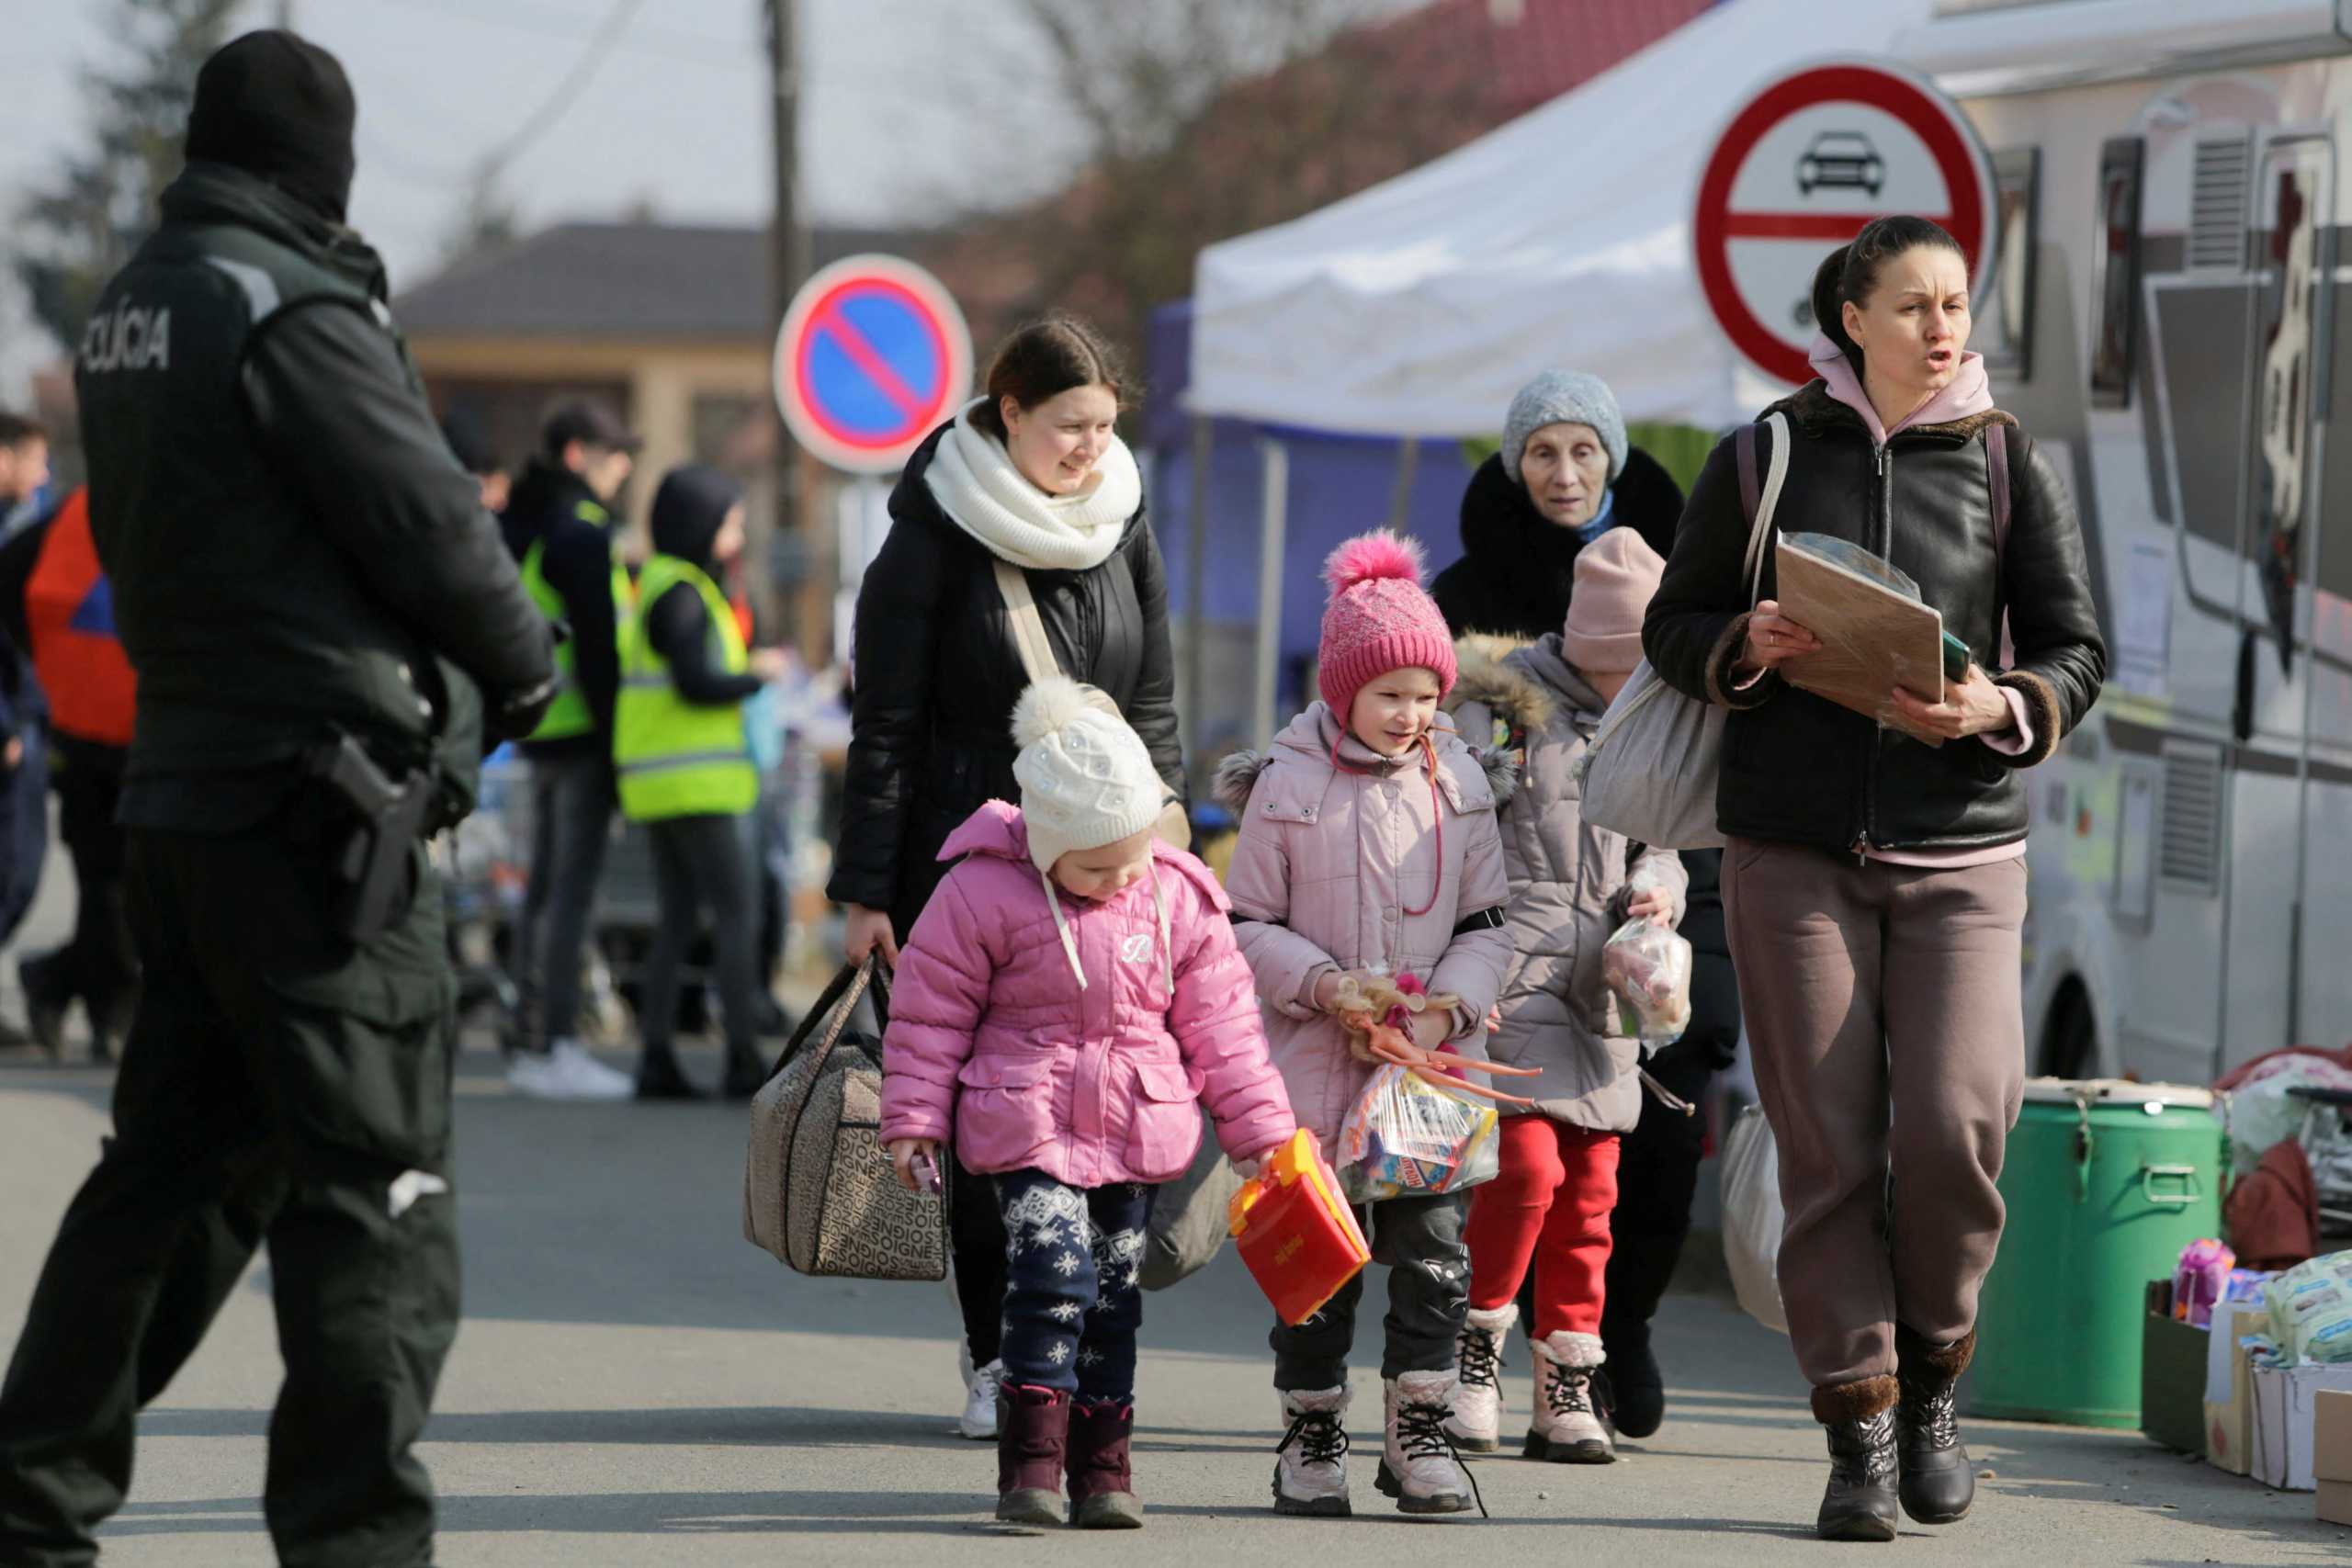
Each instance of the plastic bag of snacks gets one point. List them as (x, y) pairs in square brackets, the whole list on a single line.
[(2311, 1310), (1648, 968), (1406, 1135), (2199, 1281)]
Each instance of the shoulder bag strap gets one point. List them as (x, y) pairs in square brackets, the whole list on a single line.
[(1759, 532), (1028, 626)]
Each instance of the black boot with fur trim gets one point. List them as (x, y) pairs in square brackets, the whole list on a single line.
[(1938, 1482), (1860, 1502)]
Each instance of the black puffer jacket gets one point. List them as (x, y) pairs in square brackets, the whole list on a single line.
[(1798, 768), (937, 672), (1515, 575)]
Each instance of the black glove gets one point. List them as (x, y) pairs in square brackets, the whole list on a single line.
[(519, 714)]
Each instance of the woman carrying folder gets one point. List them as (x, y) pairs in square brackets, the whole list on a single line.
[(1876, 885)]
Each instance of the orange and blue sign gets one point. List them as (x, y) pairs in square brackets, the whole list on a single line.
[(872, 356)]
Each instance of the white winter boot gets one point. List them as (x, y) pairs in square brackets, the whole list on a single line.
[(1310, 1464), (1568, 1429), (1477, 1424), (1419, 1466)]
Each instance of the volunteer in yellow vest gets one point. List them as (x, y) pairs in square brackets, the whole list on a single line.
[(559, 528), (686, 770)]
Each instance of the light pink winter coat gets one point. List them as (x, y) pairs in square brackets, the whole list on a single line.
[(1328, 863), (991, 1035)]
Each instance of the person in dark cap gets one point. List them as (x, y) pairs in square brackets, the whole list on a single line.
[(325, 629), (559, 528), (474, 453)]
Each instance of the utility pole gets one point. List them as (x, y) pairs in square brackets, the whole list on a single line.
[(787, 269), (286, 16)]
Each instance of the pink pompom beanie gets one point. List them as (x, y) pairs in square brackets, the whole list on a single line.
[(1379, 619), (1616, 576)]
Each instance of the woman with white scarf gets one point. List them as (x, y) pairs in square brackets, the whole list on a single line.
[(1031, 476)]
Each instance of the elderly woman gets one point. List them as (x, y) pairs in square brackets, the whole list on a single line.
[(1032, 475), (1876, 885), (1567, 474)]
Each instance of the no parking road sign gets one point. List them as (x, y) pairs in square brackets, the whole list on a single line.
[(1803, 165), (871, 355)]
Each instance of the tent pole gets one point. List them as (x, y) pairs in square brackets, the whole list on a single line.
[(1273, 500), (1400, 503), (1196, 578)]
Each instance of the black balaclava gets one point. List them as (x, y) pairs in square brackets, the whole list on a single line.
[(689, 509), (275, 106)]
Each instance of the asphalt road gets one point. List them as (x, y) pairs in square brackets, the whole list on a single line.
[(634, 1384)]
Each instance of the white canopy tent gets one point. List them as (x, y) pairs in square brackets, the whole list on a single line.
[(1419, 307)]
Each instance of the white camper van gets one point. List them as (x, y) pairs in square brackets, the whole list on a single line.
[(2164, 321)]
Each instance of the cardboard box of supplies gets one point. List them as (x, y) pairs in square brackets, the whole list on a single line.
[(2172, 1375), (2229, 1384), (2285, 1421), (2332, 1454)]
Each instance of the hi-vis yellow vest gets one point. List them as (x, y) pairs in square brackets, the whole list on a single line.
[(677, 757), (569, 714)]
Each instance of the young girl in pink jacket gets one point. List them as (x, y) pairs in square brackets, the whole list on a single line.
[(1368, 842), (1068, 994)]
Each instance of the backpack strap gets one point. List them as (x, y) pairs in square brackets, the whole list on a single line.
[(1996, 475), (1996, 479)]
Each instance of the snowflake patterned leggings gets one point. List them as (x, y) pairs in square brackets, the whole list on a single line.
[(1072, 1301)]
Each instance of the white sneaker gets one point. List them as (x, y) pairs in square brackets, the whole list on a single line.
[(1567, 1430), (1310, 1464), (978, 1421), (1476, 1426), (1418, 1464), (567, 1072)]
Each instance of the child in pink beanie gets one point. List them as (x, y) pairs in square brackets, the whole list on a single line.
[(1573, 883), (1368, 844)]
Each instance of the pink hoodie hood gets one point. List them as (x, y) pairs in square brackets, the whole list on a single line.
[(1968, 391)]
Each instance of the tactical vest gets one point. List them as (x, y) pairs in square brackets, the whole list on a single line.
[(69, 614), (570, 714), (251, 627), (675, 758)]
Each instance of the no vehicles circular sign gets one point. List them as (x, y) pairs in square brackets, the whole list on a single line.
[(1809, 159), (871, 355)]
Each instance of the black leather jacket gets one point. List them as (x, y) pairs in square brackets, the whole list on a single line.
[(937, 672), (1799, 769)]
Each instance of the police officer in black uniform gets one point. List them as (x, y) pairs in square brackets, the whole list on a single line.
[(325, 624)]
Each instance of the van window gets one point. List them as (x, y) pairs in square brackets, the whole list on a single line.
[(2005, 317), (2115, 251)]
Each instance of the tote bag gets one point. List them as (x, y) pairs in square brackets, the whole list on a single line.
[(1650, 772)]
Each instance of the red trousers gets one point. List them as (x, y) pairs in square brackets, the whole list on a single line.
[(1550, 1205)]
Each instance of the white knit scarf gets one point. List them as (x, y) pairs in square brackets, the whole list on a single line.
[(972, 477)]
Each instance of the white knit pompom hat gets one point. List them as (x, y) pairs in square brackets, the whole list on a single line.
[(1086, 778)]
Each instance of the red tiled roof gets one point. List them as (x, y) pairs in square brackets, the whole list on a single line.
[(1537, 50)]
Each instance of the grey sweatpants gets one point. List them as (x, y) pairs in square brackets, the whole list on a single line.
[(1883, 1013)]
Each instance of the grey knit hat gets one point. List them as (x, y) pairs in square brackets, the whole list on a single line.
[(1564, 397)]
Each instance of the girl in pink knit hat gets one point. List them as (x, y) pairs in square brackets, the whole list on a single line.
[(1368, 845)]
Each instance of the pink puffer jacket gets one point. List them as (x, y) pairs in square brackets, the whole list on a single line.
[(991, 1035), (1330, 861)]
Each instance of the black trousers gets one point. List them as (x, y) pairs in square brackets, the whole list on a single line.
[(701, 864), (1419, 1239), (98, 967), (573, 800), (280, 1087)]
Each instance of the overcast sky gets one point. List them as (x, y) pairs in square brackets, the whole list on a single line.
[(906, 105)]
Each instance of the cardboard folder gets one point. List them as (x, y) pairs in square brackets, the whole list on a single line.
[(1874, 639)]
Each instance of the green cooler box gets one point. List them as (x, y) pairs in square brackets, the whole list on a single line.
[(2106, 1182)]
